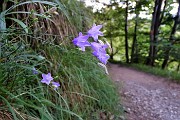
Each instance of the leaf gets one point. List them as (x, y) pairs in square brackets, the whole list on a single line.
[(2, 22), (62, 8), (28, 2), (21, 24), (22, 12), (9, 106)]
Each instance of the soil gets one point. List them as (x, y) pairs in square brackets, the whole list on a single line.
[(145, 96)]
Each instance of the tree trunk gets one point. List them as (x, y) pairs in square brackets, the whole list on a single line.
[(111, 43), (112, 50), (171, 38), (154, 33), (126, 33), (1, 5), (134, 52)]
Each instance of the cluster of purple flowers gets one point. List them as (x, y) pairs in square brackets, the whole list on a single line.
[(99, 48), (47, 79)]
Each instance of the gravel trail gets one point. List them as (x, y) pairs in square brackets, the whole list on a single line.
[(145, 96)]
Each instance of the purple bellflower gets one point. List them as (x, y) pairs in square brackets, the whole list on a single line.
[(55, 85), (101, 56), (46, 78), (94, 32), (81, 41), (34, 71), (100, 51), (99, 47)]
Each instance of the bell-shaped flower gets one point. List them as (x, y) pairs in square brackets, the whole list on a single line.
[(81, 41), (46, 78), (103, 57), (99, 47), (99, 50), (34, 71), (55, 85), (94, 32)]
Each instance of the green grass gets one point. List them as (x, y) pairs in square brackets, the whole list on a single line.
[(82, 77), (85, 91)]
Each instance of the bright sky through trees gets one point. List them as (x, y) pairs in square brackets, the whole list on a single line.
[(97, 6)]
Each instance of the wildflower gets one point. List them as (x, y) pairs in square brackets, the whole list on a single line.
[(34, 71), (81, 41), (103, 57), (94, 32), (100, 51), (99, 47), (46, 78), (55, 85)]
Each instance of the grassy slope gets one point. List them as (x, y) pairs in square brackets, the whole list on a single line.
[(85, 90)]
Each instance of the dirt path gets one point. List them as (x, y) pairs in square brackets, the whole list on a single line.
[(145, 96)]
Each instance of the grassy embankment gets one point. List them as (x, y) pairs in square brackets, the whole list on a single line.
[(36, 35)]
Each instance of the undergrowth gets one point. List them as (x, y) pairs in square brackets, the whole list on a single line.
[(41, 42), (85, 90)]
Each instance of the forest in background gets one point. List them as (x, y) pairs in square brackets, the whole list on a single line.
[(142, 31)]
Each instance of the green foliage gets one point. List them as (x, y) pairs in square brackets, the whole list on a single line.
[(112, 15), (83, 77), (78, 14), (85, 90)]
